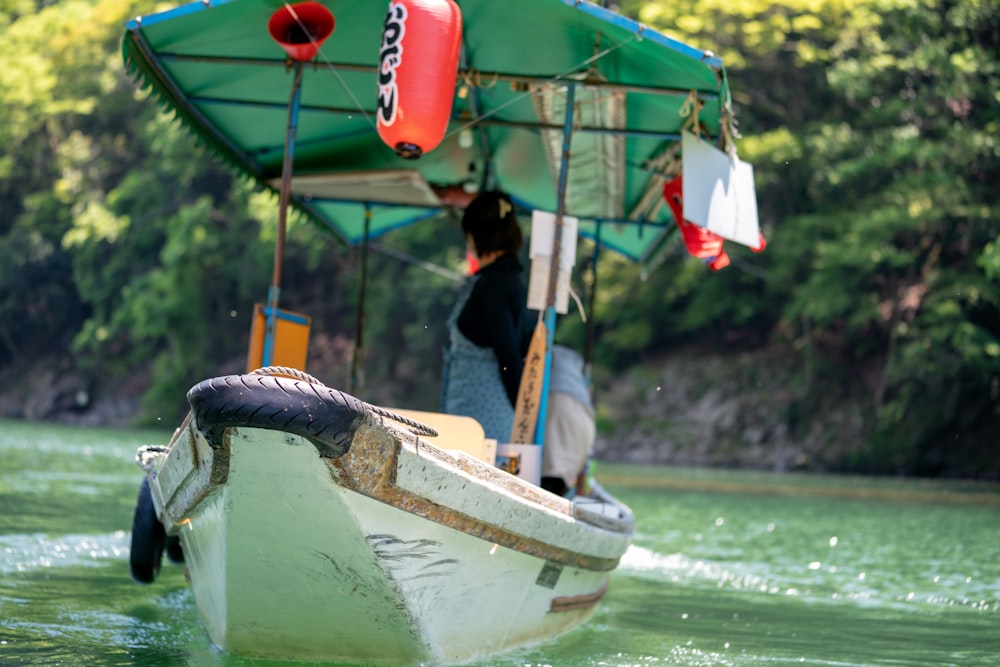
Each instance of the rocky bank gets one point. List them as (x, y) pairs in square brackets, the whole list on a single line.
[(691, 407), (746, 410)]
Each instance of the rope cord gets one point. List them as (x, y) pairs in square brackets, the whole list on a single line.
[(729, 118), (418, 428), (689, 110), (473, 78), (148, 454)]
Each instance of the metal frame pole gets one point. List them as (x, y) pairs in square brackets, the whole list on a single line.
[(588, 350), (550, 299), (359, 323), (274, 292)]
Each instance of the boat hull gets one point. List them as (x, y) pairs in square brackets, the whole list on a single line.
[(395, 552)]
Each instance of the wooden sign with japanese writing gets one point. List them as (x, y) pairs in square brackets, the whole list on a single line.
[(529, 394)]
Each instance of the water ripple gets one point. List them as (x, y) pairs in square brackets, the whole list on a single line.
[(24, 553), (815, 581)]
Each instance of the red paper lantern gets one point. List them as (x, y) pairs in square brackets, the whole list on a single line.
[(300, 29), (418, 65)]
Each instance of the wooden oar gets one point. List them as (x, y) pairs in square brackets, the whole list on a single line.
[(529, 394)]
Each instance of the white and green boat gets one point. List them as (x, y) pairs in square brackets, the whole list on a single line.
[(312, 524)]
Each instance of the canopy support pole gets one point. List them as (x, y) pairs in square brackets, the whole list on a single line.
[(588, 350), (274, 292), (555, 260), (359, 320)]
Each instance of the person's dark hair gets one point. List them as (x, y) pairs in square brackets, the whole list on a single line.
[(490, 220)]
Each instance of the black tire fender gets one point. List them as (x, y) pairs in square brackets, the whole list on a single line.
[(326, 417), (175, 553), (148, 538)]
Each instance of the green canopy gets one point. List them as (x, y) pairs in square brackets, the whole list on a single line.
[(214, 63)]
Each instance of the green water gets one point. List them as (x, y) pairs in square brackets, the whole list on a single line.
[(727, 569)]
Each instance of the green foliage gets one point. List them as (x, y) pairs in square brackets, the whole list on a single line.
[(905, 215), (873, 127), (875, 135), (38, 302), (745, 31), (173, 280)]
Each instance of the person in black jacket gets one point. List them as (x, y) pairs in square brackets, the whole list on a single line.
[(489, 327)]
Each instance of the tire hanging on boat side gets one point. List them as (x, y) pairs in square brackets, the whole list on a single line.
[(148, 538), (175, 553)]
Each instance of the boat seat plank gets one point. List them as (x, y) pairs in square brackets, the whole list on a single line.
[(455, 433)]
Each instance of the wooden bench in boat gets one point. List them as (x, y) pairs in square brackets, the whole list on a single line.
[(455, 433)]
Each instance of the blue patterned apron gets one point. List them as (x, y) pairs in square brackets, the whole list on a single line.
[(470, 380)]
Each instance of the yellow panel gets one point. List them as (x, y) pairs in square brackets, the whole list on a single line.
[(455, 432), (291, 344)]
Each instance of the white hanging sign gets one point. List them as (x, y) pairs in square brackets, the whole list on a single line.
[(719, 192), (543, 225)]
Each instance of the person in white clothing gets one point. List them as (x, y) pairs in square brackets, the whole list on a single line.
[(570, 428)]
